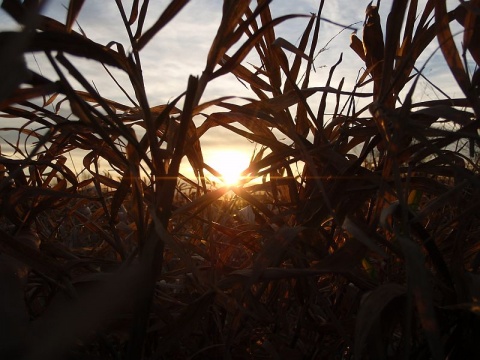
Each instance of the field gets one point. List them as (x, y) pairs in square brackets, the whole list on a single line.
[(354, 233)]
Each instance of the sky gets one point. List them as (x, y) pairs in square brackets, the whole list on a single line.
[(181, 49)]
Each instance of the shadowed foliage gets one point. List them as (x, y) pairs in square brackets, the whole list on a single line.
[(354, 234)]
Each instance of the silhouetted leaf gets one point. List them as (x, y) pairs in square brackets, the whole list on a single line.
[(74, 8), (370, 313), (69, 43), (172, 9), (419, 286), (449, 49)]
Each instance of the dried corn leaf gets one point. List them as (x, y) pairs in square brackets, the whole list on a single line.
[(253, 79), (69, 43), (20, 95), (373, 46), (133, 13), (448, 47), (30, 256), (244, 50), (299, 55), (359, 232), (370, 313), (231, 16), (357, 45), (471, 23), (60, 329), (172, 9), (420, 286), (394, 27), (254, 124), (74, 8), (281, 42)]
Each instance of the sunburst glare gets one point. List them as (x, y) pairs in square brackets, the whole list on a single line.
[(230, 164)]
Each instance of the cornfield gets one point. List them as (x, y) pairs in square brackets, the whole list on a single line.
[(354, 234)]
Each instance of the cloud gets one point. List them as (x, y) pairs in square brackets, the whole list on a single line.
[(181, 48)]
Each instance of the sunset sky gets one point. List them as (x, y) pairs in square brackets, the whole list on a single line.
[(181, 48)]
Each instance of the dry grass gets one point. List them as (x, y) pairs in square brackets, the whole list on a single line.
[(371, 252)]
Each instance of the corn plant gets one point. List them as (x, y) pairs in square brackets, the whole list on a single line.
[(354, 234)]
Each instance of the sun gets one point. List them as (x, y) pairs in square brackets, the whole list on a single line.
[(230, 164)]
